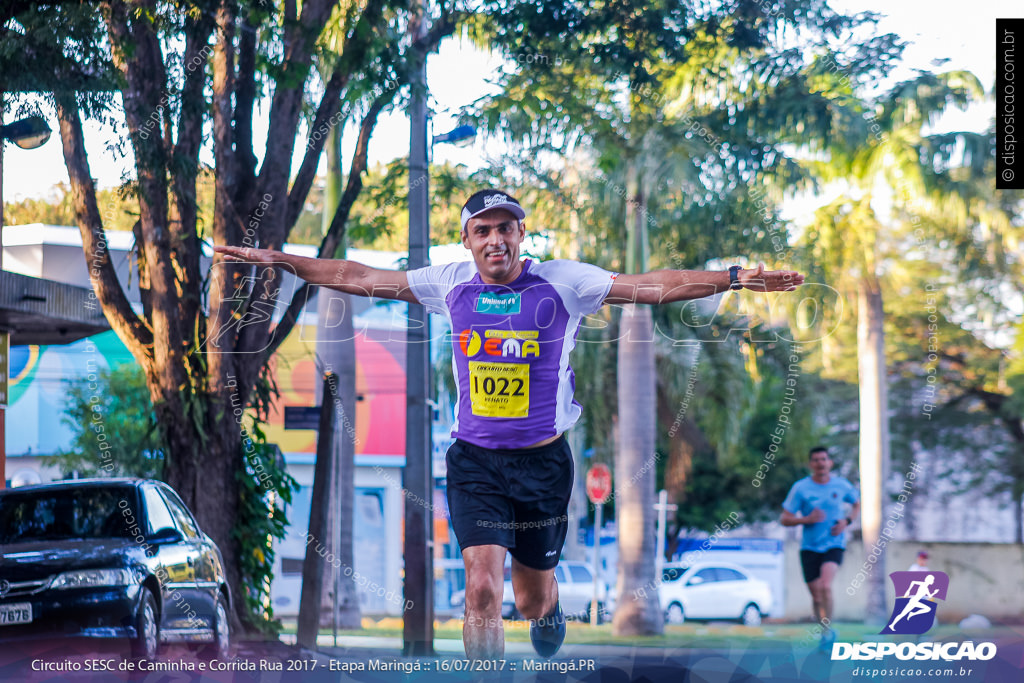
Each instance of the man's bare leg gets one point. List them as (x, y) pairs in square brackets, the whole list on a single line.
[(535, 589), (536, 594), (828, 575), (483, 633)]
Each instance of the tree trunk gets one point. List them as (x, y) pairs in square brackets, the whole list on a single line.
[(203, 362), (336, 347), (874, 437), (634, 504), (202, 455)]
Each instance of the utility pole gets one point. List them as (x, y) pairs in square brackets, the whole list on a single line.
[(313, 570), (663, 507), (417, 478)]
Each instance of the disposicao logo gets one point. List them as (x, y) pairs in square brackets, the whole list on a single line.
[(914, 613), (917, 596)]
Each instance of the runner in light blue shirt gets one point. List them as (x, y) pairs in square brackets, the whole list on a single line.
[(817, 503)]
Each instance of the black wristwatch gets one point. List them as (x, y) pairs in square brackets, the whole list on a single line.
[(734, 277), (849, 521)]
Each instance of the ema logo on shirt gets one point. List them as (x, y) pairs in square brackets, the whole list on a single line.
[(502, 343)]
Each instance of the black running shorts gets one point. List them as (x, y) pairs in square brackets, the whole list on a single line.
[(515, 498), (811, 561)]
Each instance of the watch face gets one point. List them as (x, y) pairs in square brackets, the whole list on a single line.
[(734, 274)]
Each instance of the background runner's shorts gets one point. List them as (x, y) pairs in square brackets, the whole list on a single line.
[(811, 561), (515, 498)]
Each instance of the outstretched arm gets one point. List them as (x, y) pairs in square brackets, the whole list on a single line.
[(339, 274), (664, 286)]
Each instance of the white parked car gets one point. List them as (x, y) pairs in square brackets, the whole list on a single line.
[(713, 590), (575, 592)]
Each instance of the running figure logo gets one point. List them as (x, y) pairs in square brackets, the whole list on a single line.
[(914, 612)]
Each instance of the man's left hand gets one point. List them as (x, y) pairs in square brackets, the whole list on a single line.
[(761, 280)]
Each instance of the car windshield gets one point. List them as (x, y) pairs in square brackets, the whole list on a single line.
[(65, 513)]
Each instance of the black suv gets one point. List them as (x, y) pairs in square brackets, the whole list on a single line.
[(109, 558)]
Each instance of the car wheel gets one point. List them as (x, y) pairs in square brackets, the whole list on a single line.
[(147, 629), (751, 615), (220, 647), (674, 614)]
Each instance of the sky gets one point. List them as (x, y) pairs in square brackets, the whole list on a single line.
[(458, 74)]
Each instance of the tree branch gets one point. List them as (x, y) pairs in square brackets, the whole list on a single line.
[(183, 214), (329, 106), (133, 331), (299, 40), (137, 52), (336, 232), (245, 98), (225, 278), (356, 44)]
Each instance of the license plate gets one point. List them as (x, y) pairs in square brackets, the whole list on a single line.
[(16, 613)]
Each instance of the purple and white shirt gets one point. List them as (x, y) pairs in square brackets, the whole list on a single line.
[(511, 345)]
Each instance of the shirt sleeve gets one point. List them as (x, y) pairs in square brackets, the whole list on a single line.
[(851, 493), (583, 286), (432, 284), (794, 500)]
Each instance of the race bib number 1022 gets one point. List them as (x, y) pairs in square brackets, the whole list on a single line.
[(499, 389)]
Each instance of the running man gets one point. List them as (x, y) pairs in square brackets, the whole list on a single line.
[(914, 605), (816, 503), (514, 322)]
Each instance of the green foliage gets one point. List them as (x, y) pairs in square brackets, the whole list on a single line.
[(54, 209), (720, 402), (380, 215), (118, 207), (265, 489), (60, 49), (682, 113), (115, 429)]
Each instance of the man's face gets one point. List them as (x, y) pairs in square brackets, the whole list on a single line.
[(820, 463), (494, 238)]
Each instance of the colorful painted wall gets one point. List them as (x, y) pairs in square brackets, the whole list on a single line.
[(39, 375)]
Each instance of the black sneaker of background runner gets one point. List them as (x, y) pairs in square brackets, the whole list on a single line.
[(548, 633)]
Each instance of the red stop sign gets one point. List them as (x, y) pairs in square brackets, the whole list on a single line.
[(599, 483)]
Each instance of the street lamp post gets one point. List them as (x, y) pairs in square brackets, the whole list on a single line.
[(418, 619), (418, 479), (27, 133)]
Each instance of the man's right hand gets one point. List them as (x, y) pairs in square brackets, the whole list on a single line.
[(817, 515), (249, 254)]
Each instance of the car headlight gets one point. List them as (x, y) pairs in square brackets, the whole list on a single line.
[(89, 578)]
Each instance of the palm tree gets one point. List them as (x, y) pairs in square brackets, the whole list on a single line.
[(631, 85), (878, 158)]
